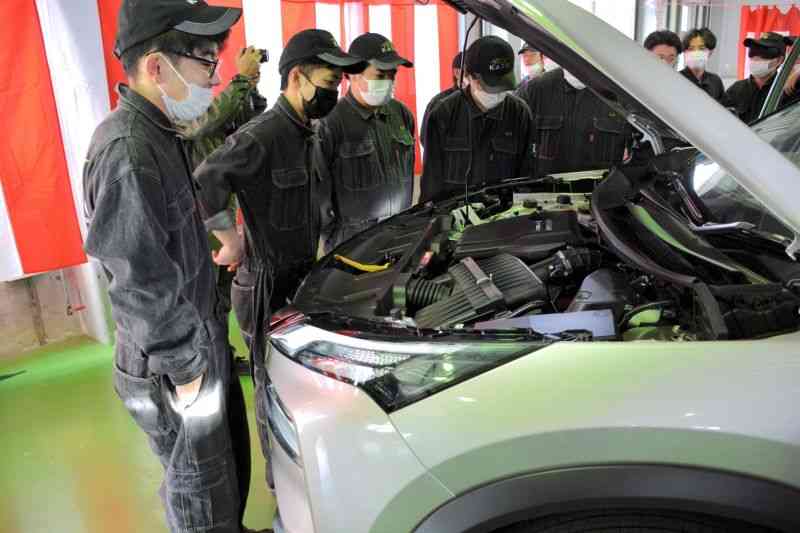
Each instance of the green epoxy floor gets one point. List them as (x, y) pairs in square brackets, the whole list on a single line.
[(73, 461)]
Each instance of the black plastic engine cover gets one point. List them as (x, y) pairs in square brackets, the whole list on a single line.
[(531, 238)]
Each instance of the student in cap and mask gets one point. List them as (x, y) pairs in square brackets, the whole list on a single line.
[(457, 84), (698, 45), (480, 135), (172, 359), (573, 129), (532, 63), (268, 165), (766, 54), (366, 149)]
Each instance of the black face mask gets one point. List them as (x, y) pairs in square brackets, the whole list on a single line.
[(322, 103)]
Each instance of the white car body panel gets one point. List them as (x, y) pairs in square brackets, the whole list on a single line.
[(609, 403)]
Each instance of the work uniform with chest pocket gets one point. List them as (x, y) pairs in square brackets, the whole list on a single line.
[(574, 129), (367, 145), (482, 134), (268, 164), (172, 363)]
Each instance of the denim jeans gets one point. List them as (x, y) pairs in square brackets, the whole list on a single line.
[(204, 448)]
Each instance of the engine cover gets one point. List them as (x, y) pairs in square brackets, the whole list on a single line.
[(531, 238)]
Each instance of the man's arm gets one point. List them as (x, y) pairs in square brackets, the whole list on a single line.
[(230, 110), (432, 164), (240, 162), (526, 164), (128, 234), (324, 158)]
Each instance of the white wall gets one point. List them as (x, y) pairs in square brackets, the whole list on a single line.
[(725, 22)]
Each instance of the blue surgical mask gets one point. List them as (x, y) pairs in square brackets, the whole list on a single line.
[(193, 106)]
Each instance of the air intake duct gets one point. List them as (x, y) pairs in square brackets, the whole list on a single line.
[(481, 289)]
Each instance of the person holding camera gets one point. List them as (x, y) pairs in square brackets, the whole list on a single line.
[(231, 109)]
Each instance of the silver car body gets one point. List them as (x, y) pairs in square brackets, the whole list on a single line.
[(723, 406)]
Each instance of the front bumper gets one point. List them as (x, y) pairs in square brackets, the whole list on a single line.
[(352, 461)]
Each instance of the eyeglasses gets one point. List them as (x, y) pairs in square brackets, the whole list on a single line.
[(211, 66)]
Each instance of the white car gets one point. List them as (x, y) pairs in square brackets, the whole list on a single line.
[(604, 351)]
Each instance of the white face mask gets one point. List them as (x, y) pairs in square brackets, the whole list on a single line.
[(572, 80), (193, 106), (378, 92), (532, 71), (549, 64), (761, 68), (488, 100), (697, 59)]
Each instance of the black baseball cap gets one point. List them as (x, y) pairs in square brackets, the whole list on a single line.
[(492, 59), (527, 47), (458, 60), (140, 20), (378, 51), (317, 44), (769, 45)]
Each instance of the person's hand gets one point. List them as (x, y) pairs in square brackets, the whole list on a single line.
[(248, 63), (791, 82), (229, 256), (187, 394)]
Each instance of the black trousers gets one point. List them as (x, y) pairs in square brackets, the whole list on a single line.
[(204, 448), (246, 296)]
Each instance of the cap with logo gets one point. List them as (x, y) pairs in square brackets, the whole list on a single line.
[(527, 47), (492, 59), (140, 20), (317, 45), (378, 51), (769, 45)]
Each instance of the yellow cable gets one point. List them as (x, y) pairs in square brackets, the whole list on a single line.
[(361, 266)]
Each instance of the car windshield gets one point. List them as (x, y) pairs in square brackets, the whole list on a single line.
[(730, 202)]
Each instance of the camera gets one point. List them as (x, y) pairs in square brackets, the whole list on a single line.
[(264, 54)]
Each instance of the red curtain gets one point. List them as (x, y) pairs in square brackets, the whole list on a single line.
[(33, 167), (759, 19), (109, 9)]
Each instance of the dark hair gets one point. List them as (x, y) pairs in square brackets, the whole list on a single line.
[(171, 41), (665, 37), (307, 67), (707, 35)]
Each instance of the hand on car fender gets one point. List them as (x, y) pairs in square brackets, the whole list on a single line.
[(248, 63)]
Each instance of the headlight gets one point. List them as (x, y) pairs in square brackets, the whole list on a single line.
[(398, 372)]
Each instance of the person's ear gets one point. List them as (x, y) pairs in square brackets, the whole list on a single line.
[(152, 68)]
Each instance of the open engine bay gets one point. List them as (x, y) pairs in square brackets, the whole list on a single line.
[(628, 259)]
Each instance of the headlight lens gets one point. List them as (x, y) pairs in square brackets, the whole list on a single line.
[(399, 372)]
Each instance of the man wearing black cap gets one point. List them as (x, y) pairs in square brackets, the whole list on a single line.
[(766, 54), (457, 82), (366, 149), (480, 135), (268, 165), (532, 63), (573, 129), (172, 359)]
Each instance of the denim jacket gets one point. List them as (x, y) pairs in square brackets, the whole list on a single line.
[(145, 229)]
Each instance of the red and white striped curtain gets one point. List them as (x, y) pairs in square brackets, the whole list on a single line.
[(57, 79), (755, 20)]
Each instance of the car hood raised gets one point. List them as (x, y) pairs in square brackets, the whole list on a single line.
[(606, 59)]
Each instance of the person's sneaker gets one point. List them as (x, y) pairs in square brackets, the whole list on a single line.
[(248, 530)]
